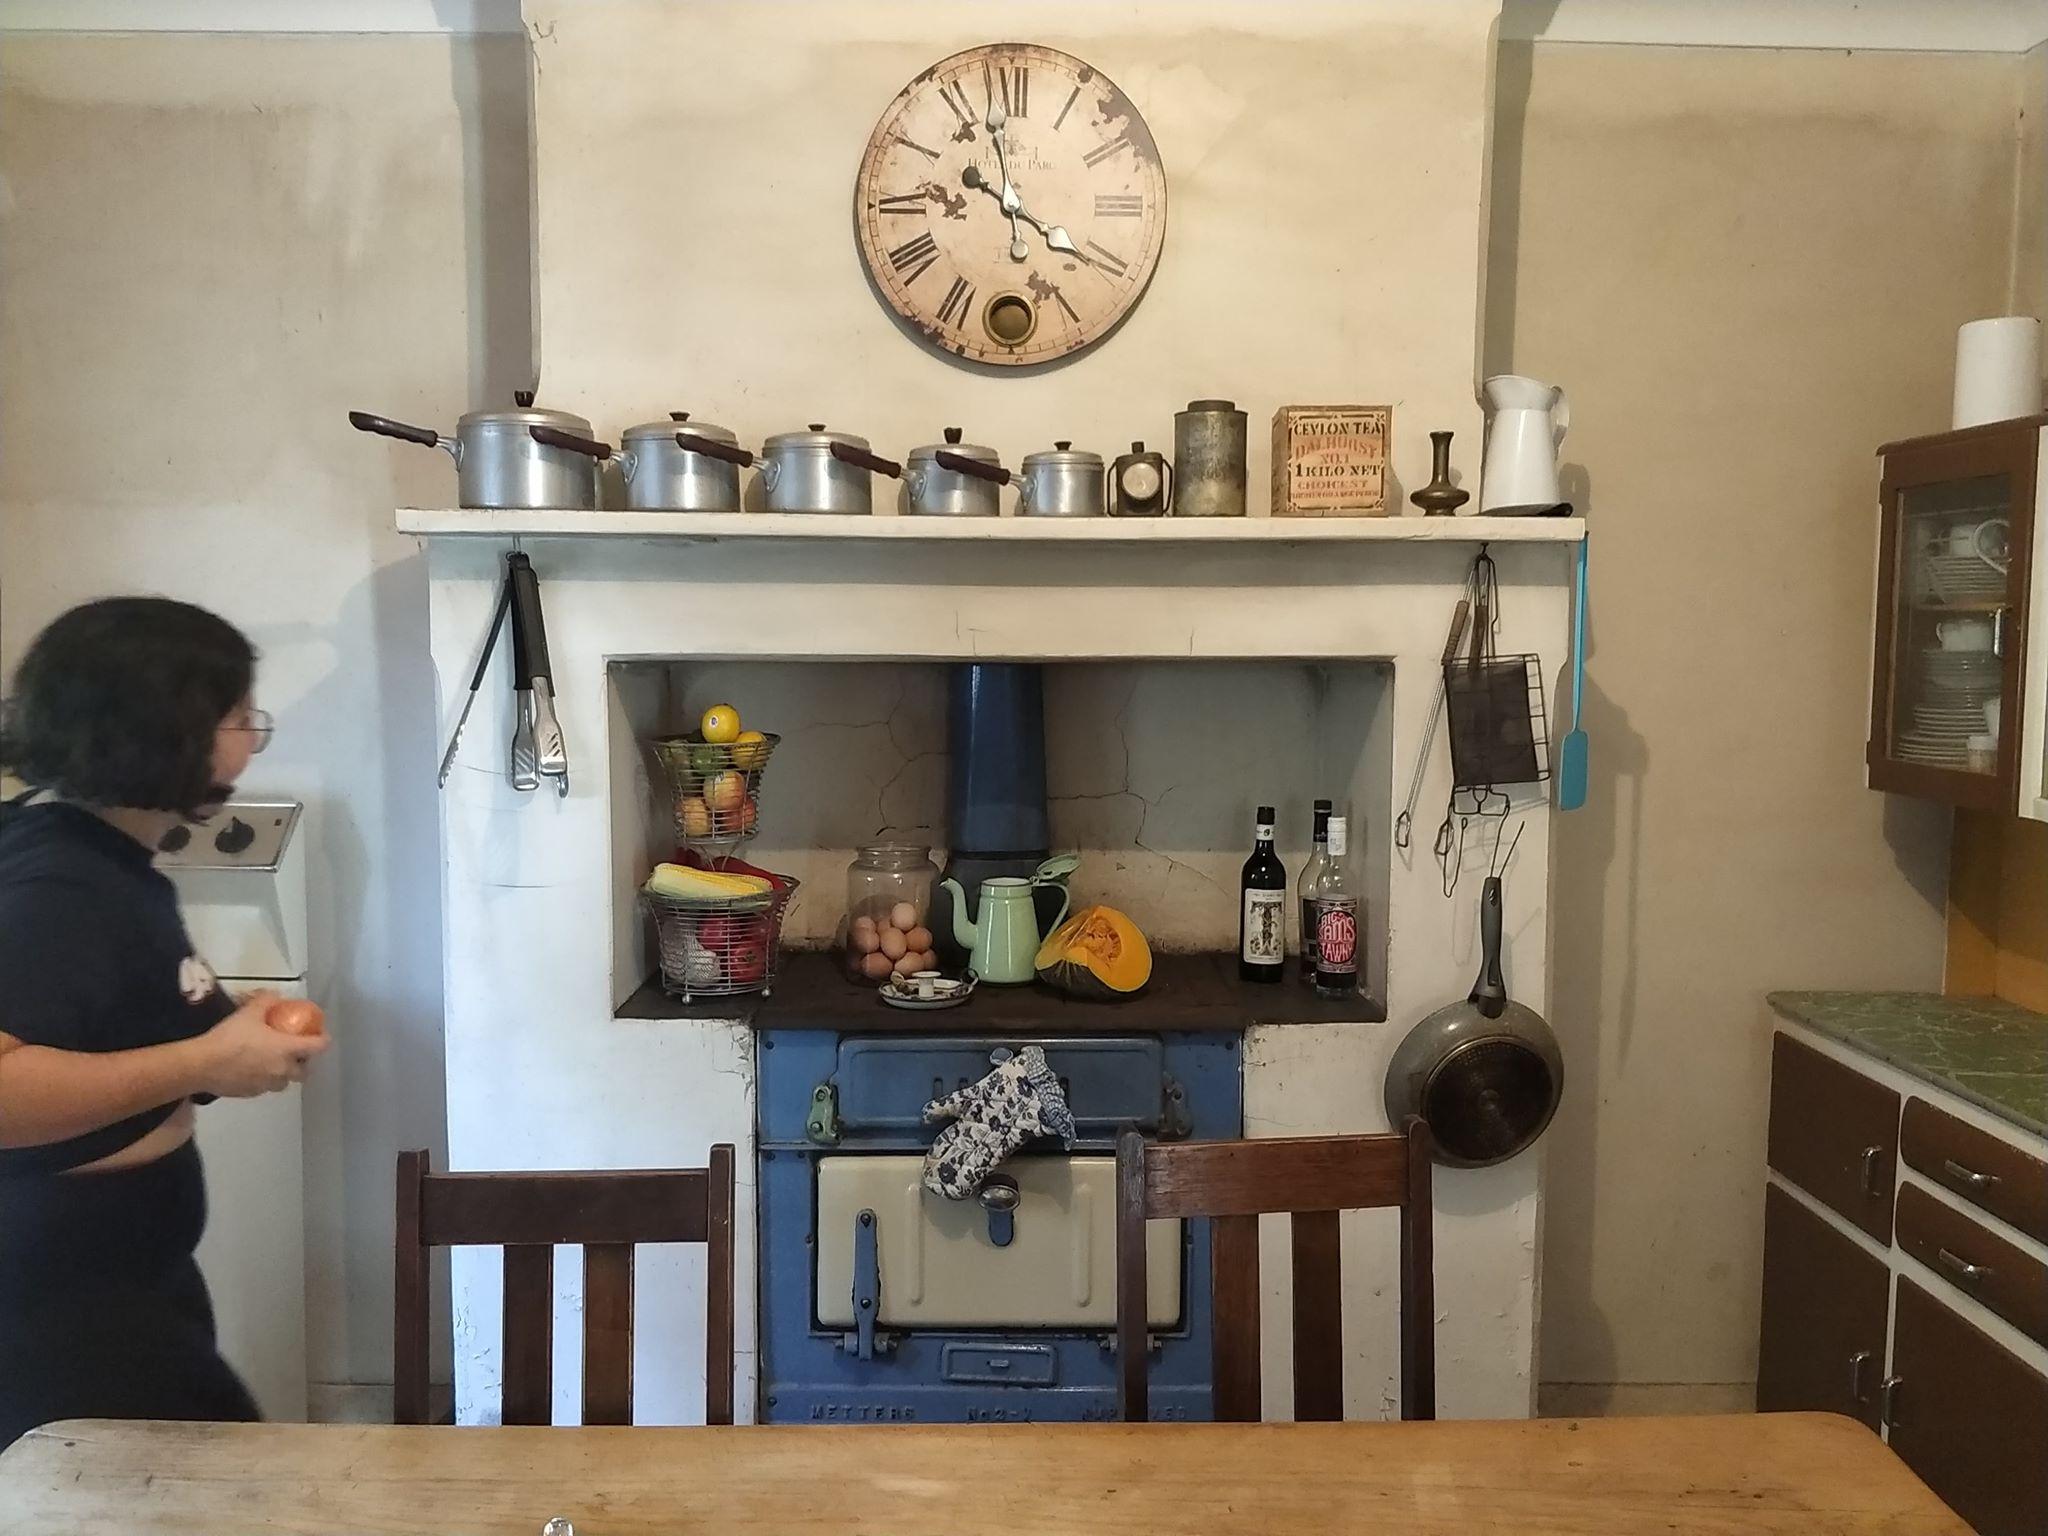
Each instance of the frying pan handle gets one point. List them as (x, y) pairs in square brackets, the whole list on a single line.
[(554, 438), (712, 449), (384, 426), (846, 453), (995, 474), (1490, 991)]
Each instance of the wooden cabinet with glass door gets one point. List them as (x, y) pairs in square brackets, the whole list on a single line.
[(1959, 706)]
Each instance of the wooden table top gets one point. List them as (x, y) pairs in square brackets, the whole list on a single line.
[(1811, 1473)]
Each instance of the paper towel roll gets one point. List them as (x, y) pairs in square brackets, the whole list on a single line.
[(1998, 370)]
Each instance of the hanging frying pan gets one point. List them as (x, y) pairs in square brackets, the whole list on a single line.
[(1485, 1073)]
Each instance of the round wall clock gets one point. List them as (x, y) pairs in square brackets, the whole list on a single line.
[(1011, 205)]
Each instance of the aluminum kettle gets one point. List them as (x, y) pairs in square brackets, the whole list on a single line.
[(1526, 424)]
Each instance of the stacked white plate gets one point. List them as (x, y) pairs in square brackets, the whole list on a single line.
[(1955, 686), (1964, 579), (1977, 673), (1941, 733)]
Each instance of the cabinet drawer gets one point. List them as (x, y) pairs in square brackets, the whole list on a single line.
[(1990, 1173), (1834, 1133), (1969, 1417), (1976, 1261)]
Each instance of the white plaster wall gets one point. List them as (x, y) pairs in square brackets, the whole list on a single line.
[(694, 171), (538, 892), (213, 248)]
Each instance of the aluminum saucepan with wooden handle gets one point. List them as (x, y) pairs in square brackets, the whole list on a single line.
[(499, 463), (818, 470)]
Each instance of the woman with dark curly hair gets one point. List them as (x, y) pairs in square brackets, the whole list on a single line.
[(128, 716)]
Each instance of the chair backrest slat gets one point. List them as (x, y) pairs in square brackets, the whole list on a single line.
[(1313, 1179), (529, 1215), (608, 1333), (660, 1206), (1242, 1178), (529, 1358), (1318, 1317)]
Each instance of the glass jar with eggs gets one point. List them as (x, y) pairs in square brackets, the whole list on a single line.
[(888, 912)]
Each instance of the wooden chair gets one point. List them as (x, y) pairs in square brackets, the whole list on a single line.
[(528, 1214), (1233, 1183)]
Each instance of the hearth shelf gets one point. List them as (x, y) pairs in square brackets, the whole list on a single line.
[(1189, 994), (1229, 531)]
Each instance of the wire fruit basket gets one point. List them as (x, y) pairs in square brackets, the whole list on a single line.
[(721, 948), (715, 787)]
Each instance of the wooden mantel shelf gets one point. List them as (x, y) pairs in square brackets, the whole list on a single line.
[(1263, 532)]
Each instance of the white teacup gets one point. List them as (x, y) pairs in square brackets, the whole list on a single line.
[(1964, 634)]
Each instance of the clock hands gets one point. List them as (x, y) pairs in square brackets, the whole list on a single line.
[(995, 120), (1056, 236)]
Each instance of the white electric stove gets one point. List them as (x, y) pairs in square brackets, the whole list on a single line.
[(241, 880)]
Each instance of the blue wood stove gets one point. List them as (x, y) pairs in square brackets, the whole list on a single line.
[(882, 1303)]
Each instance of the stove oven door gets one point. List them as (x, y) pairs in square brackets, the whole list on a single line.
[(1048, 1262)]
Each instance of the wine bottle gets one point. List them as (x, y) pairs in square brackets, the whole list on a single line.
[(1262, 913), (1311, 872), (1337, 919)]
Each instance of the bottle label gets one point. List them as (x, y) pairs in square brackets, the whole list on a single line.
[(1265, 928), (1340, 839), (1337, 935)]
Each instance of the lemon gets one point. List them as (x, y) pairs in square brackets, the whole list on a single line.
[(749, 749), (721, 724)]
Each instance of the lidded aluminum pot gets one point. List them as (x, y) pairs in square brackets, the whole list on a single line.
[(680, 465), (1062, 481), (817, 470), (498, 461), (954, 479)]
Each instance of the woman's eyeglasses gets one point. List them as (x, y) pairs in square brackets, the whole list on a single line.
[(257, 723)]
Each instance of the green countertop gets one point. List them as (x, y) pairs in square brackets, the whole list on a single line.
[(1992, 1053)]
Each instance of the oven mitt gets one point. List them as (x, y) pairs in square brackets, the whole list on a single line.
[(1017, 1102)]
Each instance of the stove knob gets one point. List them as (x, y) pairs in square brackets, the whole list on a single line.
[(174, 840), (235, 837)]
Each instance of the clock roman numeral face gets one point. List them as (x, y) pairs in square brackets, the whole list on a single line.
[(1086, 180)]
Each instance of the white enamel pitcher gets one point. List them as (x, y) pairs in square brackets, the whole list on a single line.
[(1526, 424)]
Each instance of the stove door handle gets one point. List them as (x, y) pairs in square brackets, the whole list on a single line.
[(1000, 1197)]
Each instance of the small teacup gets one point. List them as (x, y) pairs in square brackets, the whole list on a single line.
[(1964, 634)]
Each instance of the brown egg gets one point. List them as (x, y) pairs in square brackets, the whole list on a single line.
[(894, 945), (904, 916), (907, 965), (867, 938), (875, 967), (919, 939), (928, 961)]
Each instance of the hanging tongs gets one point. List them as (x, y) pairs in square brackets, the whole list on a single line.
[(538, 748)]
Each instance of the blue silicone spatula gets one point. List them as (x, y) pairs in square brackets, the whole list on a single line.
[(1572, 755)]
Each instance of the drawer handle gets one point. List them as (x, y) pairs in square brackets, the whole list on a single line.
[(1961, 1267), (1873, 1157), (1969, 1176), (1857, 1362)]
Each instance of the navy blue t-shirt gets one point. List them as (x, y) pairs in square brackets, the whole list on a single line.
[(93, 957)]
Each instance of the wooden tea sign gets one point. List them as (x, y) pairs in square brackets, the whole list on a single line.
[(1331, 460)]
